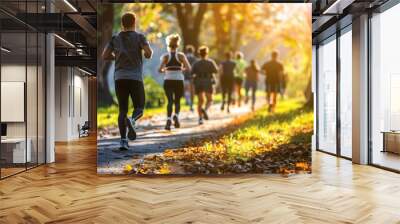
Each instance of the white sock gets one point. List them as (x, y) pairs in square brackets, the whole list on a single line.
[(168, 118)]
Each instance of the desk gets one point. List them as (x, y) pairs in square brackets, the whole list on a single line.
[(391, 141), (13, 150)]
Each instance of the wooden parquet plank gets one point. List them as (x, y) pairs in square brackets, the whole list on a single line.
[(70, 191)]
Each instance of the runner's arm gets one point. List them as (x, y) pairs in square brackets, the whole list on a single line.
[(148, 52), (108, 54), (164, 59), (186, 64)]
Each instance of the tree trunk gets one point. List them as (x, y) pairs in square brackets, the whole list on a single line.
[(223, 25), (106, 26), (190, 22), (308, 94)]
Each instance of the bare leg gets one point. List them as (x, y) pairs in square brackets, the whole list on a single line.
[(209, 100), (273, 101), (200, 97)]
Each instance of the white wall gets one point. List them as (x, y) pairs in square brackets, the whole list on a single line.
[(71, 102)]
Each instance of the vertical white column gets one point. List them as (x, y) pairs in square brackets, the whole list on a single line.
[(50, 93), (360, 90)]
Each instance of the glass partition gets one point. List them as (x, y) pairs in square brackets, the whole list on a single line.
[(327, 95), (13, 86), (385, 89), (22, 90)]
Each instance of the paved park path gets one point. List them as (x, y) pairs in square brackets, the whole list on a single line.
[(153, 139)]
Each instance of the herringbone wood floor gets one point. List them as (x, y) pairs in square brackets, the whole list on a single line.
[(69, 191)]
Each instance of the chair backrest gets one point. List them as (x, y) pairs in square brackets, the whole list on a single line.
[(86, 125)]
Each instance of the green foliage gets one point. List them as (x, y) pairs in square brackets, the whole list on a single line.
[(155, 96)]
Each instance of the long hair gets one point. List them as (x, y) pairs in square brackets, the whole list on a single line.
[(173, 41)]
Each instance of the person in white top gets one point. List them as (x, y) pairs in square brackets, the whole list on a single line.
[(172, 65)]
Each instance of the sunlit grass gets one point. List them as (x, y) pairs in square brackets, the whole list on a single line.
[(260, 142), (290, 124), (265, 131)]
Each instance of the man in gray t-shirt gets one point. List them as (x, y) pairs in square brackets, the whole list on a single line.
[(127, 49)]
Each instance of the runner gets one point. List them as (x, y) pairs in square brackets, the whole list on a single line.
[(239, 76), (203, 72), (227, 70), (127, 48), (189, 88), (172, 64), (251, 82), (273, 70)]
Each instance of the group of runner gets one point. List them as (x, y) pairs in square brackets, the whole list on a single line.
[(185, 75)]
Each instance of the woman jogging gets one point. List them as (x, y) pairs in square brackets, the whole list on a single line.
[(251, 82), (203, 72), (173, 64)]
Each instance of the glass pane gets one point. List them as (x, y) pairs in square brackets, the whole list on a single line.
[(386, 89), (31, 98), (327, 96), (41, 99), (346, 94), (13, 86)]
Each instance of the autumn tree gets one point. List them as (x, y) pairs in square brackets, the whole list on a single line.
[(106, 26), (190, 17), (236, 23)]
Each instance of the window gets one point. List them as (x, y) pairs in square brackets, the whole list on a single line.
[(385, 89), (346, 93), (327, 96)]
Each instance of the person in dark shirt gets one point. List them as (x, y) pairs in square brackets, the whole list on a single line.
[(189, 88), (127, 49), (227, 71), (251, 82), (273, 70), (203, 72)]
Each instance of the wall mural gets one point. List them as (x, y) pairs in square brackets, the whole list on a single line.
[(203, 88)]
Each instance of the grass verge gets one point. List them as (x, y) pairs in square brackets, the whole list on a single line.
[(259, 142)]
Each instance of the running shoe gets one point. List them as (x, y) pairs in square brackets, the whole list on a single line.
[(201, 121), (131, 129), (176, 122), (205, 115), (123, 145), (168, 125)]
